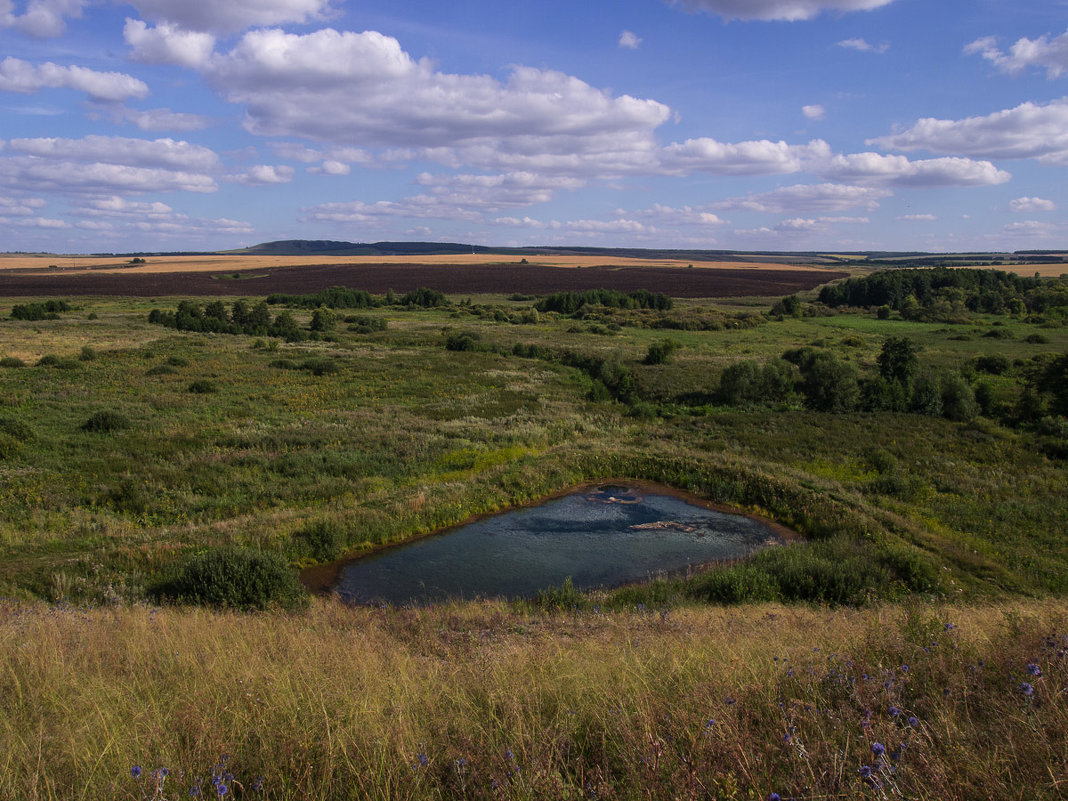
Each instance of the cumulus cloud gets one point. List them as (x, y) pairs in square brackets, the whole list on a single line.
[(1029, 130), (760, 157), (879, 169), (789, 10), (263, 174), (495, 192), (629, 40), (863, 45), (23, 77), (42, 18), (684, 215), (120, 151), (163, 119), (363, 90), (331, 167), (420, 206), (168, 44), (1031, 204), (917, 218), (1044, 52), (814, 112), (230, 16), (20, 207), (106, 165), (809, 199)]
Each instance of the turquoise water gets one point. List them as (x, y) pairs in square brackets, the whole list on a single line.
[(600, 537)]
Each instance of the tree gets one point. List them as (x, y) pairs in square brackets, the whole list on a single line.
[(897, 360), (830, 385)]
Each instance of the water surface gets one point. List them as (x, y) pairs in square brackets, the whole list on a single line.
[(599, 537)]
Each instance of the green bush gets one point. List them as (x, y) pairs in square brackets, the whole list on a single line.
[(323, 541), (318, 365), (1036, 339), (12, 361), (203, 386), (177, 361), (106, 421), (161, 369), (16, 429), (88, 354), (460, 342), (234, 578)]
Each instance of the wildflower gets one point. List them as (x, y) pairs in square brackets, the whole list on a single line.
[(135, 771), (257, 785), (878, 749), (1027, 689), (914, 721), (865, 772), (423, 759), (711, 723), (222, 790), (194, 791), (728, 701), (893, 711), (774, 797), (904, 668), (1034, 669)]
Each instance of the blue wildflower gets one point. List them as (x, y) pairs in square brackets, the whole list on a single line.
[(878, 749), (1034, 669), (194, 791), (423, 759), (914, 721), (774, 797), (893, 711), (865, 772), (1026, 688), (135, 771)]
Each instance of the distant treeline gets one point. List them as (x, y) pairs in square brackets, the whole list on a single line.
[(339, 297), (909, 291), (214, 318), (570, 302)]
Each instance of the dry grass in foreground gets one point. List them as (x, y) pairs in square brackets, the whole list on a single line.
[(486, 701)]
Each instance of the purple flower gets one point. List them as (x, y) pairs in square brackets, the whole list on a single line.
[(135, 771), (914, 721), (893, 711), (423, 760), (1027, 689), (1034, 669), (865, 772), (878, 749), (774, 797)]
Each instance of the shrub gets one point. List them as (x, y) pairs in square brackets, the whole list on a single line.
[(203, 386), (1036, 339), (994, 364), (234, 578), (177, 361), (16, 429), (830, 385), (318, 365), (161, 369), (461, 342), (323, 541), (958, 399), (88, 354), (106, 421), (12, 361), (661, 352)]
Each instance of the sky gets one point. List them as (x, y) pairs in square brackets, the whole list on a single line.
[(832, 125)]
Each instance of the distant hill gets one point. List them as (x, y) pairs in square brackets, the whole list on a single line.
[(328, 247)]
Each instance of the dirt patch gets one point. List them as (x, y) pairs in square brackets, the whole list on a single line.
[(454, 279)]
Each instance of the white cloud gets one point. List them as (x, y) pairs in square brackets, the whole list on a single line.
[(879, 169), (263, 174), (1030, 228), (420, 207), (331, 167), (1031, 204), (495, 192), (809, 198), (168, 44), (790, 10), (917, 218), (814, 112), (23, 77), (1029, 130), (629, 40), (32, 222), (163, 119), (1043, 53), (230, 16), (761, 157), (363, 90), (863, 45), (106, 165), (20, 207), (685, 215), (120, 150), (42, 18)]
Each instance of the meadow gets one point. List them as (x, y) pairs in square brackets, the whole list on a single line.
[(930, 574)]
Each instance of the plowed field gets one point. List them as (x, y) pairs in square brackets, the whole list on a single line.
[(451, 279)]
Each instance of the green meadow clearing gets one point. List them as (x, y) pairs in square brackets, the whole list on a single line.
[(911, 643)]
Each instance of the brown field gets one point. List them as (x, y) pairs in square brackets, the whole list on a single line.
[(68, 265), (262, 277)]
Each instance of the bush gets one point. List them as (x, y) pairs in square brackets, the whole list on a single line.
[(106, 421), (318, 365), (234, 578), (12, 361), (661, 352), (460, 342), (88, 354), (830, 385), (161, 369), (994, 364), (203, 386), (1036, 339), (177, 361), (16, 429), (322, 541)]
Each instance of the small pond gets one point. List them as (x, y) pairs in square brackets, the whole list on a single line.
[(599, 536)]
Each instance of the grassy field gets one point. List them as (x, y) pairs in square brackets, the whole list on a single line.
[(377, 436)]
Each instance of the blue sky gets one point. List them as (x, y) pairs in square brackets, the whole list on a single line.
[(736, 124)]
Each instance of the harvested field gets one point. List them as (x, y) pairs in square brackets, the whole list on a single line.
[(460, 279)]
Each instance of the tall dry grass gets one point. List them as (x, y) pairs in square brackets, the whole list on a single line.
[(490, 701)]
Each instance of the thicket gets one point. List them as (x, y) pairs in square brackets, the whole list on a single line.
[(43, 310), (214, 318), (233, 578), (570, 302), (337, 297), (942, 292)]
